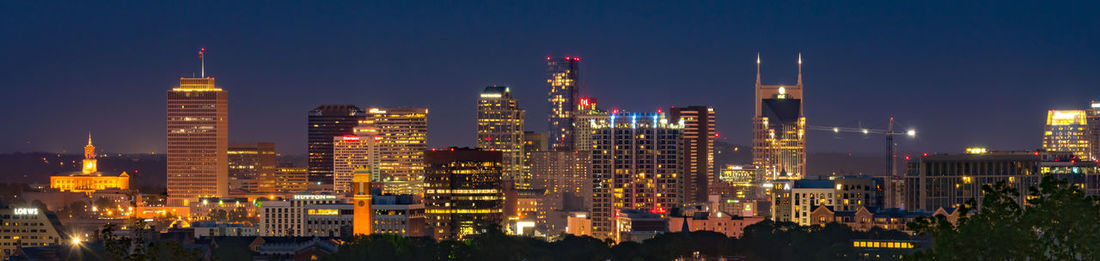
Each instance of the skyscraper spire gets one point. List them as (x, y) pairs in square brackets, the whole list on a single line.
[(757, 69), (203, 60), (799, 69), (89, 138)]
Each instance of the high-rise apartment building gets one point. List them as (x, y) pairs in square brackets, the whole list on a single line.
[(464, 193), (251, 164), (698, 150), (636, 164), (1068, 130), (500, 128), (326, 122), (564, 89), (198, 141), (564, 178), (402, 136), (353, 154), (779, 138)]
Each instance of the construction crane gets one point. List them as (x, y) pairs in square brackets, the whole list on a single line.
[(889, 132)]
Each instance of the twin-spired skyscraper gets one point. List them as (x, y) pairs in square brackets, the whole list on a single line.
[(779, 129)]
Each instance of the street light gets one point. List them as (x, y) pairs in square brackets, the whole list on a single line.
[(76, 240)]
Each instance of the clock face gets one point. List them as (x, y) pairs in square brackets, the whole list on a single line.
[(361, 203)]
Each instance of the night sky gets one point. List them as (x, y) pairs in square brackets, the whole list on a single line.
[(961, 72)]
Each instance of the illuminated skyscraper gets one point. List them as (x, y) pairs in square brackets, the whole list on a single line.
[(251, 166), (1068, 131), (563, 83), (1094, 127), (698, 150), (779, 128), (351, 155), (326, 122), (464, 192), (636, 164), (198, 141), (500, 128), (403, 138)]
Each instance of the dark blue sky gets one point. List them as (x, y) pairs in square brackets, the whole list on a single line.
[(961, 72)]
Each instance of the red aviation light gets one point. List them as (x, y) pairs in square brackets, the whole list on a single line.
[(548, 58), (906, 157), (924, 155), (568, 58)]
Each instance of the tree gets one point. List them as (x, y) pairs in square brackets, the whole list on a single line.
[(1059, 222)]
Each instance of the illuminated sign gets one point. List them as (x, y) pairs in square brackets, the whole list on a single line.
[(26, 211), (314, 197), (350, 138), (975, 150), (325, 212)]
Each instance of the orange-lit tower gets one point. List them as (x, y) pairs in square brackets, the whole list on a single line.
[(363, 214), (89, 157)]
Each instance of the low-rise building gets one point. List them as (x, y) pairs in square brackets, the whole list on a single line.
[(716, 221), (27, 227), (398, 215), (637, 225), (579, 224), (304, 215), (215, 229)]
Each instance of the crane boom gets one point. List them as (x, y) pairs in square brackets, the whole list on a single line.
[(889, 133)]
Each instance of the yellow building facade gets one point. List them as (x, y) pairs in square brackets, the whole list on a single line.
[(89, 179)]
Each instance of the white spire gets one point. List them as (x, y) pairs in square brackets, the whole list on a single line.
[(799, 69), (757, 69)]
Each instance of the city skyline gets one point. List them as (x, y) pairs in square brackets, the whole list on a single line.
[(717, 71)]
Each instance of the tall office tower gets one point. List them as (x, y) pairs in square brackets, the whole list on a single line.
[(325, 122), (532, 142), (251, 166), (778, 129), (586, 120), (402, 135), (947, 180), (563, 83), (1068, 130), (698, 150), (565, 179), (1094, 127), (198, 141), (636, 164), (353, 154), (500, 128), (464, 191), (362, 221)]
